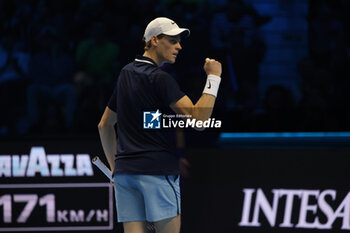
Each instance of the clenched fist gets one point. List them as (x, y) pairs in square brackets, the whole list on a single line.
[(212, 67)]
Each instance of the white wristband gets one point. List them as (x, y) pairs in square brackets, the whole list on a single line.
[(212, 85)]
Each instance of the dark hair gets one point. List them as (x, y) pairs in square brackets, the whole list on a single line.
[(148, 44)]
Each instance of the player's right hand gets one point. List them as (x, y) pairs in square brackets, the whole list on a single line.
[(212, 66)]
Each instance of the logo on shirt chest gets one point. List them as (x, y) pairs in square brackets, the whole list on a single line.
[(151, 120)]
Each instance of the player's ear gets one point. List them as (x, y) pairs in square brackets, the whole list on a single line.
[(154, 41)]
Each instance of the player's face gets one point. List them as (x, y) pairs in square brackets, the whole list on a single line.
[(169, 47)]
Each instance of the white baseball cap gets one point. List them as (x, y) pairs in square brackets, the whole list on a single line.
[(164, 26)]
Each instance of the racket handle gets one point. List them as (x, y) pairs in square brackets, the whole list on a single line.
[(96, 160)]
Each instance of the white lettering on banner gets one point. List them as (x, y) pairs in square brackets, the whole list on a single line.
[(68, 161), (90, 215), (325, 208), (84, 165), (343, 211), (312, 203), (5, 165), (76, 216), (305, 207), (54, 160), (62, 216), (263, 204), (289, 206), (72, 216), (19, 165), (102, 215), (37, 162)]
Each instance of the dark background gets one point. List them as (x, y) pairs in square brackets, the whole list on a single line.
[(285, 68), (285, 63)]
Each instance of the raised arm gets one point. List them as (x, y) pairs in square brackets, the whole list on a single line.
[(203, 109), (108, 136)]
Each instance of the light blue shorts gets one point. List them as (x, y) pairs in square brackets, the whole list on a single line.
[(146, 197)]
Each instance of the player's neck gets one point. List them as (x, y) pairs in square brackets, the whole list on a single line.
[(152, 55)]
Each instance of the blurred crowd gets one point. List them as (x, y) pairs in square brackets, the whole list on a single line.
[(325, 72), (59, 61)]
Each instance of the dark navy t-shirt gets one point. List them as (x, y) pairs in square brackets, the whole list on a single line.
[(143, 86)]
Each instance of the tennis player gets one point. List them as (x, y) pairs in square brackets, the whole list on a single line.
[(146, 170)]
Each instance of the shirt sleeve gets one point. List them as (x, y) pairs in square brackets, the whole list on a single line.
[(112, 103), (167, 89)]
